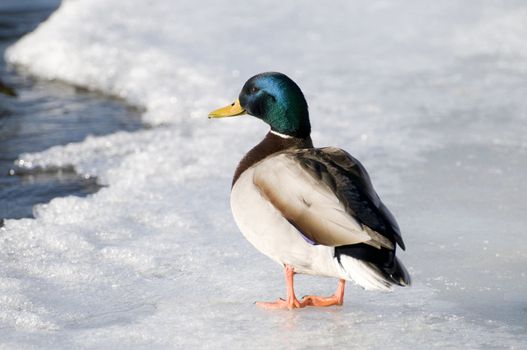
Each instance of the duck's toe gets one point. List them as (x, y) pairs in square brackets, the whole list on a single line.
[(318, 301), (289, 304)]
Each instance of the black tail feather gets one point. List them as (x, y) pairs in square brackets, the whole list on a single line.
[(400, 275)]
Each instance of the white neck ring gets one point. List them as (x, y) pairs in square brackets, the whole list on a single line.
[(281, 135)]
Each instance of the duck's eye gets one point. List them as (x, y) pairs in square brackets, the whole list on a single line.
[(254, 90)]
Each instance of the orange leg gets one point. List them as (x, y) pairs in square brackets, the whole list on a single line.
[(291, 302), (335, 299)]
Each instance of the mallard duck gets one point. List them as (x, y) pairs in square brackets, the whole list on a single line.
[(312, 210)]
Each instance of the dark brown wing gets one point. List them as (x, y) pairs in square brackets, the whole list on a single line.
[(350, 182), (326, 196)]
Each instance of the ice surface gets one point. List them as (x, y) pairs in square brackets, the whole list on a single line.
[(430, 96)]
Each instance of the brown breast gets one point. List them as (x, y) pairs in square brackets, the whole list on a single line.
[(271, 144)]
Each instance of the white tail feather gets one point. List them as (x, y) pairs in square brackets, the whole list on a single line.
[(363, 273)]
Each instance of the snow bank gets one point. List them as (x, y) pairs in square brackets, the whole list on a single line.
[(154, 260)]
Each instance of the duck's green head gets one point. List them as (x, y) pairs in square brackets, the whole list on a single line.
[(274, 98)]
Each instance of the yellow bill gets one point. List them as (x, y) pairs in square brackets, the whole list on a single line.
[(231, 110)]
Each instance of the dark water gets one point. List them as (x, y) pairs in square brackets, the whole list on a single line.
[(44, 114)]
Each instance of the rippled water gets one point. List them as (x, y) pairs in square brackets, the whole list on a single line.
[(44, 114)]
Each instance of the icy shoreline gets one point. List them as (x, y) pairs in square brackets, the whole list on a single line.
[(434, 109)]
